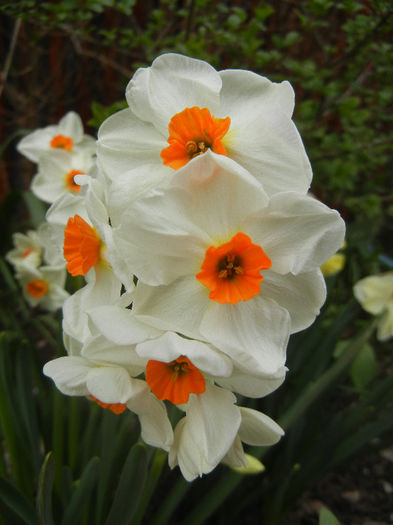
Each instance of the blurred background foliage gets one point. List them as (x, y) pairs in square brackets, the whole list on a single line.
[(79, 55)]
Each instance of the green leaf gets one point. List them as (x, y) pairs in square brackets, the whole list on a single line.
[(12, 499), (130, 488), (327, 518), (80, 497), (364, 367), (44, 492)]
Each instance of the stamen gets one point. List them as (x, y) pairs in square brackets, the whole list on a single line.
[(27, 252)]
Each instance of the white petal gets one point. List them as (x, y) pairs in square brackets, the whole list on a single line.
[(250, 385), (125, 141), (71, 126), (179, 307), (243, 91), (110, 384), (170, 346), (103, 352), (156, 429), (67, 206), (172, 83), (297, 232), (235, 456), (302, 295), (186, 454), (213, 420), (69, 374), (120, 325), (217, 195), (258, 429), (35, 144), (254, 333)]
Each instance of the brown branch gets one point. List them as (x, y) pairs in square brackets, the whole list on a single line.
[(104, 60), (8, 60)]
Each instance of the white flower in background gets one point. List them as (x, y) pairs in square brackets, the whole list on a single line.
[(67, 136), (181, 107), (56, 174), (198, 248), (375, 294), (44, 286), (27, 250)]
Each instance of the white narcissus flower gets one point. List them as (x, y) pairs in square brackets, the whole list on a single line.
[(107, 374), (67, 136), (27, 251), (44, 286), (375, 294), (56, 174), (198, 248), (181, 107)]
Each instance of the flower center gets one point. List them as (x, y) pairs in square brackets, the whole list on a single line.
[(231, 271), (82, 246), (192, 132), (229, 267), (27, 252), (69, 180), (62, 142), (37, 288), (116, 408), (174, 381)]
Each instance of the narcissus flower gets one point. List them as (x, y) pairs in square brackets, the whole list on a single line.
[(180, 108), (44, 286), (375, 294), (56, 174), (217, 260), (27, 251), (67, 136)]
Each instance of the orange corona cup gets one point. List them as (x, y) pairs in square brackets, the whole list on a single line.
[(70, 182), (81, 246), (192, 132), (62, 142), (37, 288), (231, 271), (116, 408), (174, 381)]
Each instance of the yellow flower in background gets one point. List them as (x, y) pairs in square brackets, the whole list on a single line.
[(335, 264), (375, 294)]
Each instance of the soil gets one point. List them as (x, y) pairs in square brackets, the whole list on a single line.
[(360, 494)]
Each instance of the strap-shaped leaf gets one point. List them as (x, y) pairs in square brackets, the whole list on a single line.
[(44, 492), (130, 487), (80, 497)]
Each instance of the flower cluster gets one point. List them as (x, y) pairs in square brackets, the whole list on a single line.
[(60, 151), (201, 250)]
